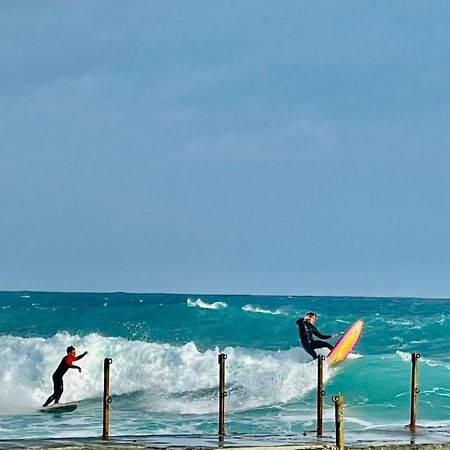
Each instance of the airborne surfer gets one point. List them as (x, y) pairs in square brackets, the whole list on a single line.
[(64, 366), (306, 330)]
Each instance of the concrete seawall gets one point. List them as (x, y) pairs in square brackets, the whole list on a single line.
[(96, 444)]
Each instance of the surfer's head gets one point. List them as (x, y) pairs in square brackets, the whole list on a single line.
[(311, 316), (70, 349)]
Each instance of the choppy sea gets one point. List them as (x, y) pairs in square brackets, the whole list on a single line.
[(164, 374)]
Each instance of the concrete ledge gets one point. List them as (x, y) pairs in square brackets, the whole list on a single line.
[(96, 444)]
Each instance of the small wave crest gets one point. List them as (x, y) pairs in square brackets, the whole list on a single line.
[(199, 303), (256, 309), (406, 357), (354, 355)]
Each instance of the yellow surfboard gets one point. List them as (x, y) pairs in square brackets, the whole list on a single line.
[(345, 344)]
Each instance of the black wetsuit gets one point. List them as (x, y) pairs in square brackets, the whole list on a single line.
[(58, 385), (306, 330)]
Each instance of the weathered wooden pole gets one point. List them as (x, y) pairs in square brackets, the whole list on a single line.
[(414, 390), (222, 395), (339, 420), (106, 398), (320, 395)]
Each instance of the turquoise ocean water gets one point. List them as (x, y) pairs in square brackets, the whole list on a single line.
[(164, 375)]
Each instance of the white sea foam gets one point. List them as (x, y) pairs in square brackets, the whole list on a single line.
[(428, 361), (256, 309), (443, 392), (201, 304), (421, 341), (354, 356), (358, 421), (175, 379), (403, 355), (399, 322)]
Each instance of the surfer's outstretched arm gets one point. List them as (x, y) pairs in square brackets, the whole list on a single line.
[(317, 333), (80, 356)]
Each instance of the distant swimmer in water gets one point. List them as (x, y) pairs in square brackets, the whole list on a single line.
[(306, 330), (64, 366)]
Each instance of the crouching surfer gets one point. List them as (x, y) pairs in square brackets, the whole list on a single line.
[(306, 330), (65, 364)]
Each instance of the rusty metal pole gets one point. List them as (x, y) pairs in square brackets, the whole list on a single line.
[(339, 420), (106, 398), (222, 395), (320, 395), (414, 390)]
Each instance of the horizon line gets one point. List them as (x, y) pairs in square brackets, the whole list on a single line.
[(39, 291)]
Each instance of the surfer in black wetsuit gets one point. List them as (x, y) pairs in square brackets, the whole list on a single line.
[(64, 366), (306, 330)]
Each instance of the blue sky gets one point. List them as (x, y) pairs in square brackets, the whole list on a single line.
[(225, 147)]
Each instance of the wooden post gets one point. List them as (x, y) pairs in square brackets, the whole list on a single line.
[(106, 398), (414, 390), (339, 420), (320, 395), (222, 395)]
